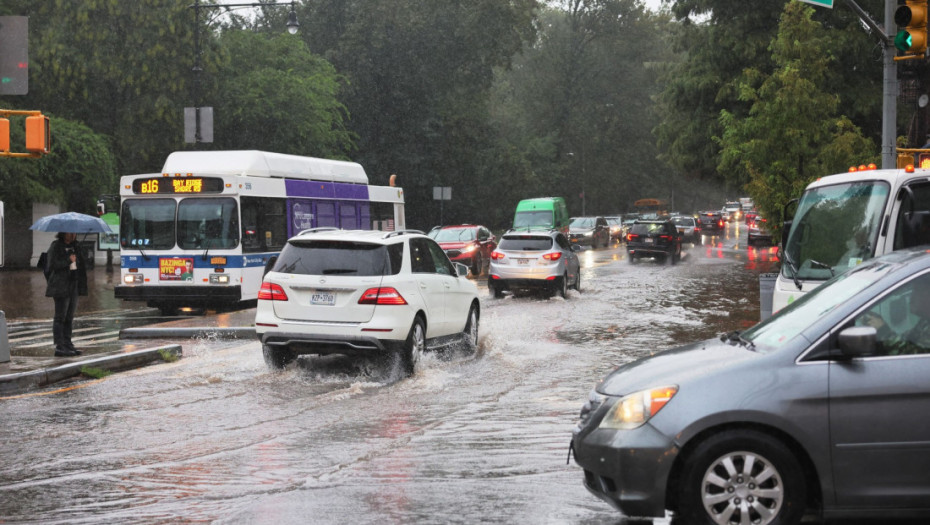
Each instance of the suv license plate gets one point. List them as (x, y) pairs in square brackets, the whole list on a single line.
[(649, 240), (323, 299), (523, 261)]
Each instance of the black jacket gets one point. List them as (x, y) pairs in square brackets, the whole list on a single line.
[(59, 264)]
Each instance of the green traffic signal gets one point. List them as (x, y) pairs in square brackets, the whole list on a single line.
[(903, 41)]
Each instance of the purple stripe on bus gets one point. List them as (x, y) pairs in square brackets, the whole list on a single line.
[(325, 190)]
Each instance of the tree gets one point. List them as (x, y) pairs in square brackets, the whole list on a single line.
[(277, 96), (792, 133)]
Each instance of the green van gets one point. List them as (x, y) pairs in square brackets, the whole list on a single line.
[(543, 212)]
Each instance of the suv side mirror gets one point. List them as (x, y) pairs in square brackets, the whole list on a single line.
[(858, 341), (461, 270)]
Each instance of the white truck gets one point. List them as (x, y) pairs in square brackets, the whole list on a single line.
[(844, 219)]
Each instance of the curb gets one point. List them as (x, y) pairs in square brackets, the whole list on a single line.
[(189, 332), (23, 381)]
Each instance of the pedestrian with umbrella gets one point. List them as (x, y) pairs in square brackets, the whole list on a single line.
[(66, 271)]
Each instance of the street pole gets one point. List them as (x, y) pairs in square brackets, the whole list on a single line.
[(889, 92)]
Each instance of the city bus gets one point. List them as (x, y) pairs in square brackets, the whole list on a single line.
[(200, 233), (844, 219)]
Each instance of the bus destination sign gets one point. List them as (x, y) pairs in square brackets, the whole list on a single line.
[(177, 185)]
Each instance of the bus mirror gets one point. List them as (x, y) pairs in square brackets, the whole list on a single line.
[(785, 229)]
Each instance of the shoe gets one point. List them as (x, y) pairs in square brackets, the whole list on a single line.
[(65, 352), (70, 347)]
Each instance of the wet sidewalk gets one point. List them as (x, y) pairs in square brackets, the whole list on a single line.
[(138, 346)]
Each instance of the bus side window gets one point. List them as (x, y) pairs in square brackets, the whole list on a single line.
[(913, 222)]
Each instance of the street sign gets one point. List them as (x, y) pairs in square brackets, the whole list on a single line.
[(821, 3), (14, 55), (442, 193)]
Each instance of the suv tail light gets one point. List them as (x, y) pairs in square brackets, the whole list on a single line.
[(386, 295), (497, 255), (665, 237), (554, 256), (631, 237), (271, 292)]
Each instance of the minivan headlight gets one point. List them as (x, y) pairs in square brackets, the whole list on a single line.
[(632, 410)]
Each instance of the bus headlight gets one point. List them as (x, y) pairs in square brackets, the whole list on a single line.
[(133, 278), (216, 278)]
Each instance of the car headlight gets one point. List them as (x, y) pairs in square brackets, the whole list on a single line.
[(633, 410), (588, 234), (469, 248)]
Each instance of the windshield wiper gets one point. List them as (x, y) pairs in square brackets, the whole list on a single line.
[(825, 266), (736, 337), (793, 268), (206, 249), (144, 256)]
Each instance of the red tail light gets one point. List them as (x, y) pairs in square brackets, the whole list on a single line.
[(386, 295), (554, 256), (271, 292), (720, 224), (497, 255), (631, 237), (665, 237)]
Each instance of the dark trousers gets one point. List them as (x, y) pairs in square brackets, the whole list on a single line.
[(64, 317)]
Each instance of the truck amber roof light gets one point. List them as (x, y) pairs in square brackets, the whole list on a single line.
[(909, 168), (872, 166)]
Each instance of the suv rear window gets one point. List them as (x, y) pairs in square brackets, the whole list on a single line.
[(646, 229), (683, 221), (525, 243), (308, 257)]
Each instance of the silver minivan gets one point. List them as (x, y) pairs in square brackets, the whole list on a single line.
[(824, 408)]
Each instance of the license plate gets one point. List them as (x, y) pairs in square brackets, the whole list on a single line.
[(649, 240), (323, 299), (523, 261)]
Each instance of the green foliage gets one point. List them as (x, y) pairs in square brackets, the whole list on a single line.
[(279, 94), (792, 133), (167, 355), (96, 373)]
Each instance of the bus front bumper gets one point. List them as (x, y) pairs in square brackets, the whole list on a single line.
[(180, 294)]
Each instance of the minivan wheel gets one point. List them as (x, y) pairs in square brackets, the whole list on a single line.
[(742, 476), (413, 346), (277, 358), (471, 329)]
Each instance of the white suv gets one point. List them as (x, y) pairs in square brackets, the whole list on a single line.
[(364, 293)]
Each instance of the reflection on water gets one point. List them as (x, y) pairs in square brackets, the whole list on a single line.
[(22, 294)]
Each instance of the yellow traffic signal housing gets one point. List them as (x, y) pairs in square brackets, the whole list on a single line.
[(37, 134), (4, 134), (905, 160), (911, 20)]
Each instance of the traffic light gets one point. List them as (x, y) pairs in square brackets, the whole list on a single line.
[(911, 19), (37, 136), (4, 134), (923, 160)]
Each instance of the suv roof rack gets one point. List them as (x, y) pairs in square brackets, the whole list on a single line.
[(395, 233), (318, 229)]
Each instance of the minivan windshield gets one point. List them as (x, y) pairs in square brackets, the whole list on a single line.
[(781, 328), (835, 228)]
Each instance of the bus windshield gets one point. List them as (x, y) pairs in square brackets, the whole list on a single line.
[(147, 224), (205, 223), (834, 229)]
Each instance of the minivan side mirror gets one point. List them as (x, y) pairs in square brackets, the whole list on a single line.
[(461, 270), (858, 341)]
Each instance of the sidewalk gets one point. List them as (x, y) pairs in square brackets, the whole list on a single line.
[(27, 371)]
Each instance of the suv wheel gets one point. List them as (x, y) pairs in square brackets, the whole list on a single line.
[(471, 329), (561, 286), (742, 476), (413, 346), (277, 358), (497, 291), (578, 281), (476, 265)]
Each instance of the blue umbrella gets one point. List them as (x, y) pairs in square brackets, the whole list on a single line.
[(71, 222)]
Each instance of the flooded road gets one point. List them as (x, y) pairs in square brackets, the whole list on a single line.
[(216, 437)]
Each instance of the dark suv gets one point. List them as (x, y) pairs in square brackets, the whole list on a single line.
[(654, 238), (591, 231), (712, 222)]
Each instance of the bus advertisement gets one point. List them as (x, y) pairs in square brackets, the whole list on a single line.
[(200, 233)]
